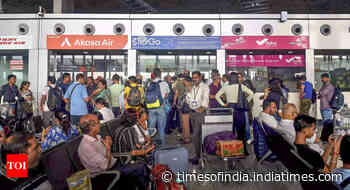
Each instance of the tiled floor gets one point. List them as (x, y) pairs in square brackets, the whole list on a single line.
[(249, 163)]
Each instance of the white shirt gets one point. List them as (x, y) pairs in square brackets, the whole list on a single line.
[(268, 120), (164, 87), (199, 96), (287, 128), (107, 114), (140, 136), (46, 93)]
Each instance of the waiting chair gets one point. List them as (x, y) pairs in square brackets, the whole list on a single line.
[(288, 154), (261, 149), (62, 161)]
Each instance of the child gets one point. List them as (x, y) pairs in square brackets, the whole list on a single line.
[(104, 114)]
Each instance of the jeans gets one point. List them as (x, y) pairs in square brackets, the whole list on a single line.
[(116, 111), (247, 126), (327, 114), (157, 117), (75, 119)]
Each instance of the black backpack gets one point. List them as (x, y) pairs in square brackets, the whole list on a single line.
[(134, 98), (54, 99), (337, 100)]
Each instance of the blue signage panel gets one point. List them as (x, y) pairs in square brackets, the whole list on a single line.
[(175, 42)]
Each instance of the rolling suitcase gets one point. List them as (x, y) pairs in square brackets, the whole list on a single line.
[(176, 158)]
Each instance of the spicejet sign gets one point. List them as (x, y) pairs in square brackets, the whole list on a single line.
[(87, 42)]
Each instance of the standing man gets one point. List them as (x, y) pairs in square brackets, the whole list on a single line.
[(91, 87), (305, 95), (214, 87), (326, 94), (48, 115), (224, 80), (9, 93), (198, 101), (155, 95), (78, 98), (116, 89), (66, 82), (64, 87)]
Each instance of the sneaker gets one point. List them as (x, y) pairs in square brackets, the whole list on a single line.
[(249, 141), (153, 133)]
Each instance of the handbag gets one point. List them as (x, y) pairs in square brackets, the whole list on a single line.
[(67, 107), (242, 102)]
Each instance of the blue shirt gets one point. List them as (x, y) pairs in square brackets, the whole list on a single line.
[(345, 173), (64, 87), (56, 135), (307, 90), (78, 106)]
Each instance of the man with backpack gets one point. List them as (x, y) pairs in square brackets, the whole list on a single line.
[(51, 101), (155, 96), (133, 94), (325, 95), (306, 91), (77, 98)]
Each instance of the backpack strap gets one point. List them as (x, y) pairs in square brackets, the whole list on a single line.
[(345, 183), (71, 93)]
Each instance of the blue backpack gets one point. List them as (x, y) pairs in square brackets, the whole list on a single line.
[(153, 97), (337, 100)]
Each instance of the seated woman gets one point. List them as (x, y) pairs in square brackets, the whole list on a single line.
[(60, 132), (305, 129), (104, 114), (143, 136)]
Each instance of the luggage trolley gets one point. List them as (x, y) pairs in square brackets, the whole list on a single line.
[(216, 120)]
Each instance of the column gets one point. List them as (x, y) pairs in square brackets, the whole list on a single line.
[(63, 6), (221, 61), (310, 65), (132, 62), (57, 6), (1, 11)]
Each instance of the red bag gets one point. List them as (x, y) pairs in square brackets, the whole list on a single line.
[(157, 173)]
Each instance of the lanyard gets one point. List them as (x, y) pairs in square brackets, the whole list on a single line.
[(195, 93)]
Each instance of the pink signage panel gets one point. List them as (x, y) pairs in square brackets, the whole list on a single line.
[(265, 42), (265, 61)]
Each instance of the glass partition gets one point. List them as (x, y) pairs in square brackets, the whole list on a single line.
[(98, 63), (13, 63), (338, 66), (173, 64)]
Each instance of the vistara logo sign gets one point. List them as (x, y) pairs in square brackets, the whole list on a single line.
[(17, 165), (66, 42)]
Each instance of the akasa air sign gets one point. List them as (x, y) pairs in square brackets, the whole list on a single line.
[(87, 42)]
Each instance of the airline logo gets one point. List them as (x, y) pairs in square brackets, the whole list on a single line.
[(295, 59), (266, 42), (87, 42), (262, 42), (66, 42)]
